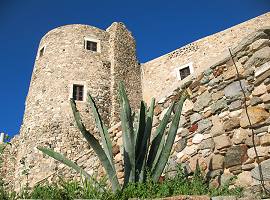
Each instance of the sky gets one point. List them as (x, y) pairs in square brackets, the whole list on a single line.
[(158, 26)]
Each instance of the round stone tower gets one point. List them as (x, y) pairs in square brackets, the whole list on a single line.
[(72, 60)]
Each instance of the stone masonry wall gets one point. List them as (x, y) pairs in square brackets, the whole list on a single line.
[(48, 119), (215, 131), (201, 53), (124, 67)]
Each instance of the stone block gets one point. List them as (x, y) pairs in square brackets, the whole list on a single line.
[(222, 141), (235, 155), (231, 124), (265, 166), (256, 115)]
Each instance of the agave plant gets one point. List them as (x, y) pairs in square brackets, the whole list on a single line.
[(140, 154)]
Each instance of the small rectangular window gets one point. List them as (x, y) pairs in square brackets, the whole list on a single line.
[(41, 52), (90, 45), (78, 91), (184, 72)]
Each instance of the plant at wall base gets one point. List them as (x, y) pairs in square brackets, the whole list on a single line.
[(140, 155)]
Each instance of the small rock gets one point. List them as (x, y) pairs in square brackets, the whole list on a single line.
[(259, 90), (265, 166), (235, 155), (256, 115), (190, 150), (235, 113), (202, 101), (207, 144), (258, 58), (218, 105), (259, 44), (234, 88), (217, 128), (197, 138), (244, 179), (235, 105), (181, 144), (231, 124), (216, 162), (239, 136), (255, 101), (262, 152), (249, 141), (217, 95), (195, 117), (266, 98), (157, 110), (222, 141), (204, 124), (248, 167), (265, 140)]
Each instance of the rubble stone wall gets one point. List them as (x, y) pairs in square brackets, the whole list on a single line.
[(160, 76), (214, 128)]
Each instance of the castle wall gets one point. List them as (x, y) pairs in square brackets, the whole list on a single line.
[(124, 67), (201, 53), (48, 119)]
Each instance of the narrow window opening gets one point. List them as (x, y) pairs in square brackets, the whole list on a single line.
[(41, 52), (78, 92), (184, 72), (90, 45)]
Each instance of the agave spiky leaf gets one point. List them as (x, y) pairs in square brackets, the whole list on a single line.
[(158, 169), (127, 135), (105, 138), (158, 140), (94, 143), (142, 144), (59, 157)]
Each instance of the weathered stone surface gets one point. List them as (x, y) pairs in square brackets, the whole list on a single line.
[(262, 152), (157, 109), (217, 128), (235, 155), (216, 162), (260, 43), (259, 57), (202, 101), (265, 166), (181, 144), (262, 72), (266, 98), (188, 106), (248, 166), (203, 125), (190, 150), (249, 141), (197, 138), (256, 115), (195, 117), (244, 179), (235, 113), (265, 140), (222, 141), (239, 136), (217, 95), (207, 144), (234, 88), (231, 124), (255, 101), (235, 105), (259, 90), (218, 105)]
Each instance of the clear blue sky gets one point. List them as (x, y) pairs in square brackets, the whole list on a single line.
[(159, 27)]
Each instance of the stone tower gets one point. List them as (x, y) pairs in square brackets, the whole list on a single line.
[(72, 60)]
